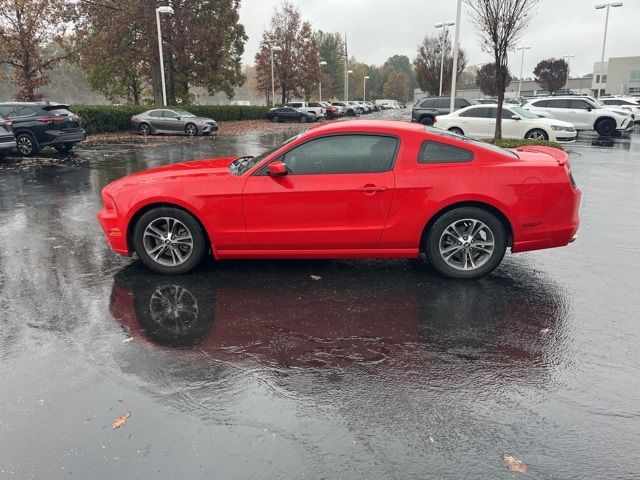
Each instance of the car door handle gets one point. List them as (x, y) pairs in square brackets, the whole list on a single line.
[(372, 189)]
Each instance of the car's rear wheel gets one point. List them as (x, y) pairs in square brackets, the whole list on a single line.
[(26, 145), (456, 130), (536, 134), (426, 121), (303, 119), (466, 243), (275, 119), (606, 127), (64, 147), (191, 130), (169, 240), (145, 129)]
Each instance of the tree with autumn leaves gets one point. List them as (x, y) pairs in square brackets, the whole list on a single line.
[(297, 63)]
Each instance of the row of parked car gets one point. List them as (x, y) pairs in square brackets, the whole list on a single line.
[(314, 111), (27, 127), (555, 118)]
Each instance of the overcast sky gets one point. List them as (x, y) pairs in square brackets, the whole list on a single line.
[(377, 29)]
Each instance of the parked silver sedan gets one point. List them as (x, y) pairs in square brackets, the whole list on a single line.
[(172, 122)]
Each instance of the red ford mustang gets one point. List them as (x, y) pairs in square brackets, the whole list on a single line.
[(350, 189)]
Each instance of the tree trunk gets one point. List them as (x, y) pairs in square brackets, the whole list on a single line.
[(284, 94), (500, 86)]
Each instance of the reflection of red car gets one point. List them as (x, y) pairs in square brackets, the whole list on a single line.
[(349, 190)]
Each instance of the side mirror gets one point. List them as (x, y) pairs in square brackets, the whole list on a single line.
[(589, 109), (277, 169), (177, 117), (515, 117)]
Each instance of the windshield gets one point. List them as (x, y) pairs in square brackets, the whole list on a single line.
[(184, 113), (474, 141), (524, 113), (243, 164)]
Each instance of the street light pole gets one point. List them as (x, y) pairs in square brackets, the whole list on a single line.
[(273, 78), (604, 40), (322, 63), (160, 10), (364, 89), (454, 73), (521, 67), (568, 57), (444, 26), (346, 87)]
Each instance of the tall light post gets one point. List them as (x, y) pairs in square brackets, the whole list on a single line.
[(346, 87), (604, 40), (273, 78), (169, 11), (454, 73), (322, 64), (568, 57), (444, 26), (364, 88), (521, 67)]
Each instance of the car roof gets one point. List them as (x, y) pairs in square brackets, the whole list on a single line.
[(36, 104), (377, 126)]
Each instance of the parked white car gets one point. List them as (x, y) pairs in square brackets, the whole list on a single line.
[(480, 121), (314, 108), (583, 112), (629, 104)]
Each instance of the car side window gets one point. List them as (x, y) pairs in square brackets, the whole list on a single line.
[(579, 104), (436, 152), (427, 103), (477, 113), (461, 103), (339, 154), (156, 113), (541, 103), (507, 114), (442, 103), (6, 111), (23, 112), (295, 105), (558, 103)]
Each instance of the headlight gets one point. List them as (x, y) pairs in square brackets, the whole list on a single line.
[(561, 128)]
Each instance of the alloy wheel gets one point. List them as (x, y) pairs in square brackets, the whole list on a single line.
[(191, 130), (168, 241), (145, 129), (25, 145), (466, 244), (536, 135)]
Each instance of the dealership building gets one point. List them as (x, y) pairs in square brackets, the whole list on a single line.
[(618, 76)]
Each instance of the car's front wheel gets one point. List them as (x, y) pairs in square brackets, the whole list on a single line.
[(275, 119), (145, 129), (26, 145), (456, 130), (466, 243), (169, 240), (426, 121), (191, 130), (606, 127), (64, 147), (303, 119), (537, 134)]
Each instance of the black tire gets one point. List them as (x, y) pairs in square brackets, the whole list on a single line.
[(3, 154), (303, 119), (606, 127), (64, 147), (191, 130), (537, 134), (462, 218), (198, 245), (427, 121), (26, 145), (275, 119), (456, 130), (145, 129), (351, 113)]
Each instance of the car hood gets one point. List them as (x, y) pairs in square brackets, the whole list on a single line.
[(197, 119), (213, 168), (550, 121)]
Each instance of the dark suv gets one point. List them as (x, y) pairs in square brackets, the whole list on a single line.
[(43, 124), (427, 109)]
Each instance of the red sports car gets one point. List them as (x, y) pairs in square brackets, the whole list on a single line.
[(352, 189)]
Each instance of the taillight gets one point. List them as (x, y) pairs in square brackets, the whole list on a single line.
[(8, 123), (51, 119)]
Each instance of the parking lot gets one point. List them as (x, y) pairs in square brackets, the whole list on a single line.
[(312, 369)]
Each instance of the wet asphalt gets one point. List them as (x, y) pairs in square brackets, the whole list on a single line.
[(312, 369)]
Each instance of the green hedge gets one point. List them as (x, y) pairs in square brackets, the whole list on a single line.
[(111, 118), (515, 143)]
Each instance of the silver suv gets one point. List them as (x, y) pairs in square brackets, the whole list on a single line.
[(582, 112), (314, 108)]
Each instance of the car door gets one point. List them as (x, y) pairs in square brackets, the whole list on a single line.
[(476, 122), (580, 113), (336, 195), (172, 121), (511, 128), (559, 108), (156, 120)]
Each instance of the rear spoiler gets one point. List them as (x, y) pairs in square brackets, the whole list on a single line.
[(561, 157)]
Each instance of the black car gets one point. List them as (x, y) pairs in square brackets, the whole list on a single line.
[(289, 113), (427, 109), (7, 139), (43, 124)]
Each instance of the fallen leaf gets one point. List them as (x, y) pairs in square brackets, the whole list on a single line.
[(431, 439), (265, 429), (41, 401), (544, 331), (128, 339), (355, 441), (316, 277), (514, 465), (120, 421)]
